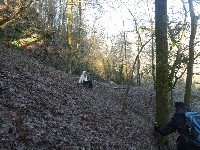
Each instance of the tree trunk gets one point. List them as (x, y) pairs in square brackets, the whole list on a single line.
[(63, 26), (125, 59), (50, 14), (162, 97), (69, 38), (138, 60), (187, 96), (138, 72), (152, 62), (79, 26)]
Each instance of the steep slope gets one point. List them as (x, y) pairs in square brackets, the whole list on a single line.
[(43, 108)]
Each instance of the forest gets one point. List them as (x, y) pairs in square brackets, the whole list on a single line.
[(142, 56)]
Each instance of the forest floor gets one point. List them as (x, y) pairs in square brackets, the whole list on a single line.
[(44, 108)]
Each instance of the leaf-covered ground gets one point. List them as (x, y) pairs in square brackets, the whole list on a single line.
[(43, 108)]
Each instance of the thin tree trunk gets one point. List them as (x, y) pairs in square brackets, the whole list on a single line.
[(138, 62), (152, 62), (69, 30), (138, 72), (63, 26), (125, 59), (188, 88), (79, 26), (50, 14)]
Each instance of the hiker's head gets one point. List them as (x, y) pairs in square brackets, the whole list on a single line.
[(178, 104), (84, 73)]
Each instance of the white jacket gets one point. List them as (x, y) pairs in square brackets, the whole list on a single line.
[(83, 78)]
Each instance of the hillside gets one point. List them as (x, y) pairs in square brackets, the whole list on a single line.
[(43, 108)]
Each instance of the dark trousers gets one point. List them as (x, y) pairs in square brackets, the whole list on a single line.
[(186, 146), (89, 83)]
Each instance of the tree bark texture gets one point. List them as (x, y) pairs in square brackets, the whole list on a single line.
[(69, 30), (162, 97)]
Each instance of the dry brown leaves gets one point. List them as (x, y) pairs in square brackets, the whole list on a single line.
[(43, 108)]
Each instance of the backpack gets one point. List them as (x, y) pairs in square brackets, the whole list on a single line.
[(193, 121)]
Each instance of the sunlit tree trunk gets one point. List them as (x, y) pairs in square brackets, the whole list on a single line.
[(162, 97), (69, 30), (79, 25), (78, 47), (187, 96)]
